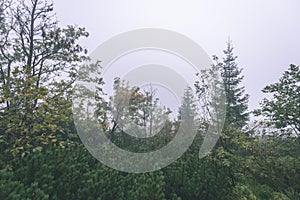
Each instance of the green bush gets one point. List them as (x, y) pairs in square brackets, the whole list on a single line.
[(72, 173)]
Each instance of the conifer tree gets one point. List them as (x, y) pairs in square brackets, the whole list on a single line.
[(188, 111), (236, 99)]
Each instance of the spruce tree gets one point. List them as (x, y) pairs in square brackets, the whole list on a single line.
[(236, 99), (188, 111)]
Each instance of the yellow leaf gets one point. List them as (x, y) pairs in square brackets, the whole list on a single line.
[(54, 140), (37, 149)]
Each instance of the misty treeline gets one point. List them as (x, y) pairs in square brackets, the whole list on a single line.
[(42, 156)]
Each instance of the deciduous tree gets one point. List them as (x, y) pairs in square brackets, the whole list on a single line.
[(283, 108), (38, 64)]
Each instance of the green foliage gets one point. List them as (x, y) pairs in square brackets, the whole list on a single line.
[(229, 73), (243, 192), (72, 173), (188, 109), (283, 109), (38, 63), (14, 189), (236, 99)]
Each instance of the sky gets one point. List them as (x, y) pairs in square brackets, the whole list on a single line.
[(265, 34)]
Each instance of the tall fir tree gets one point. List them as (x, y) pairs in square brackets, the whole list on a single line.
[(236, 99), (188, 111)]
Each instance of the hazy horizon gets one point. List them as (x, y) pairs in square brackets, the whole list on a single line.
[(265, 34)]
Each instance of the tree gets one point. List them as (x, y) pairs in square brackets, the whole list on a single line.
[(132, 111), (283, 109), (38, 65), (232, 138), (220, 81), (236, 99), (188, 111), (150, 115), (224, 106)]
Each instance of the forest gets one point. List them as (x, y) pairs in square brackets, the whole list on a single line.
[(43, 156)]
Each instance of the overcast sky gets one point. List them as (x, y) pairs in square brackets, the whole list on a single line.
[(265, 33)]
